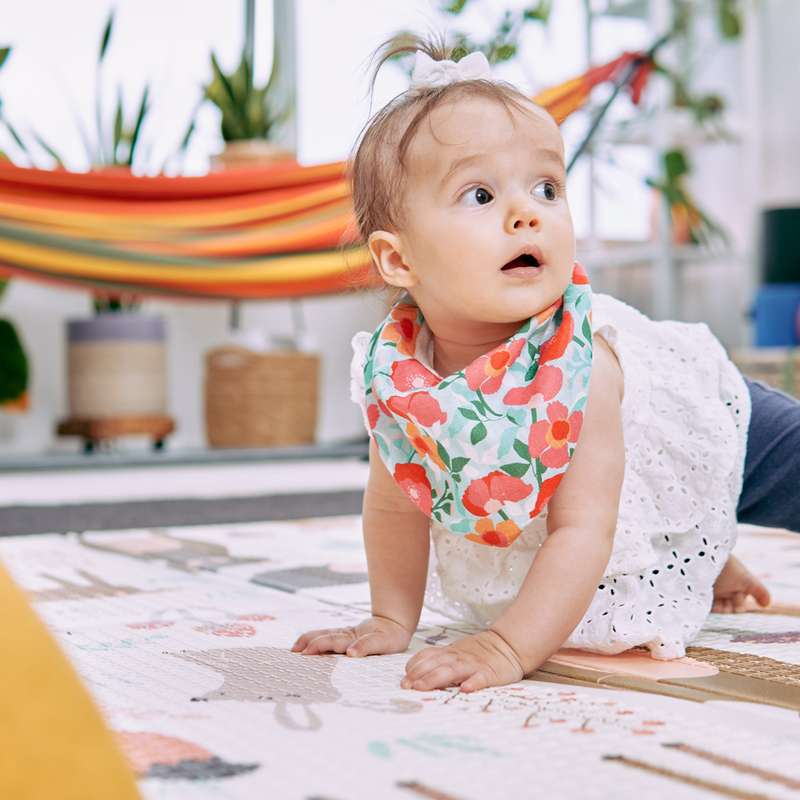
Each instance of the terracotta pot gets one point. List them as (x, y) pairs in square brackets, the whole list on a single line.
[(250, 151)]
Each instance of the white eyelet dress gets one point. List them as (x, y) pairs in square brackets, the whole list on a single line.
[(685, 416)]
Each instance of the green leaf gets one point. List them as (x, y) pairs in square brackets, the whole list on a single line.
[(505, 52), (443, 454), (189, 132), (458, 464), (516, 470), (4, 51), (675, 165), (522, 450), (16, 136), (143, 108), (469, 414), (531, 373), (49, 150), (106, 36), (540, 12), (478, 433), (456, 6), (729, 21), (117, 127), (587, 329)]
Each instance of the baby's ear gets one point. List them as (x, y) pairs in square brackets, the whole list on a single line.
[(388, 253)]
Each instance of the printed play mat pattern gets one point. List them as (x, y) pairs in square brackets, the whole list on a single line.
[(182, 635)]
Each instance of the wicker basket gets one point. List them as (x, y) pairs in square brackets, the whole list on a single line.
[(778, 367), (260, 399)]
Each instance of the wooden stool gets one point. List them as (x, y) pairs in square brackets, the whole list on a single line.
[(95, 431)]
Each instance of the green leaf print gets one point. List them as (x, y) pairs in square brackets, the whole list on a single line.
[(443, 454), (516, 470), (522, 450), (458, 464), (478, 433), (469, 414), (587, 329)]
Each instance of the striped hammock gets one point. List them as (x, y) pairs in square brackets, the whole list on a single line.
[(255, 233)]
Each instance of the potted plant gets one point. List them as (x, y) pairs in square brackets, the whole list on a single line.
[(250, 114), (13, 367)]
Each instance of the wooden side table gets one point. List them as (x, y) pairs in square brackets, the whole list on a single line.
[(95, 431)]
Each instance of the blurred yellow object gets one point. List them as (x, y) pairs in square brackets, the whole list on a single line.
[(53, 742)]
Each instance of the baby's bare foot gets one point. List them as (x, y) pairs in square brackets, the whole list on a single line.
[(733, 586)]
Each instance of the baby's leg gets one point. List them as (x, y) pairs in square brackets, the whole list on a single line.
[(733, 586), (770, 495)]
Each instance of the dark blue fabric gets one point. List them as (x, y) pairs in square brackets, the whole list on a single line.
[(771, 489)]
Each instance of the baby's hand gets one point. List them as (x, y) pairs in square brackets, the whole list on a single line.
[(734, 585), (475, 662), (374, 636)]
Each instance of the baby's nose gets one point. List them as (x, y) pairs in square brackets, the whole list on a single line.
[(523, 215)]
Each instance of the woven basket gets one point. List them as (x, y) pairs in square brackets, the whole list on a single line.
[(778, 367), (260, 399)]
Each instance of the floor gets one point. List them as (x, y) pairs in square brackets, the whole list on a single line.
[(182, 635)]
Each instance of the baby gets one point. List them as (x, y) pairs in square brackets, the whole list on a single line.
[(576, 465)]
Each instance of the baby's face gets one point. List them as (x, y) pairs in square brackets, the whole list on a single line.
[(487, 231)]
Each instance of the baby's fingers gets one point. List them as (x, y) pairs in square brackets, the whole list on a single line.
[(325, 641), (434, 668), (375, 643)]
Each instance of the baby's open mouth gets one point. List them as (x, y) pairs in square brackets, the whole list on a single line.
[(525, 260)]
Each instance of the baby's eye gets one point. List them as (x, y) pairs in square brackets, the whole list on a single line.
[(545, 191), (476, 197)]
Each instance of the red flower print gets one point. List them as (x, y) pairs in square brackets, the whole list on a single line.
[(487, 372), (548, 438), (488, 495), (424, 445), (500, 535), (579, 274), (373, 415), (411, 478), (420, 408), (231, 629), (557, 344), (410, 374), (545, 385), (403, 329), (545, 493)]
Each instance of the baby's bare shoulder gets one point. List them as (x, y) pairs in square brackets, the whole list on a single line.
[(606, 367)]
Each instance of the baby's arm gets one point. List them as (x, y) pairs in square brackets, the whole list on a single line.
[(564, 576), (396, 538)]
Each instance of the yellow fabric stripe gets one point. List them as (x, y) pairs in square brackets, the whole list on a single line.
[(274, 270), (205, 216), (111, 233)]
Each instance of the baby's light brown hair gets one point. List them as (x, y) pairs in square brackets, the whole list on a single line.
[(379, 169)]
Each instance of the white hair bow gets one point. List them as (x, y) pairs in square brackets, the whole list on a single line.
[(430, 74)]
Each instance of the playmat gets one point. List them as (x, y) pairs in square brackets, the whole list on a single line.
[(182, 636)]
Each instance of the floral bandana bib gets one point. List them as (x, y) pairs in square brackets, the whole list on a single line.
[(483, 450)]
